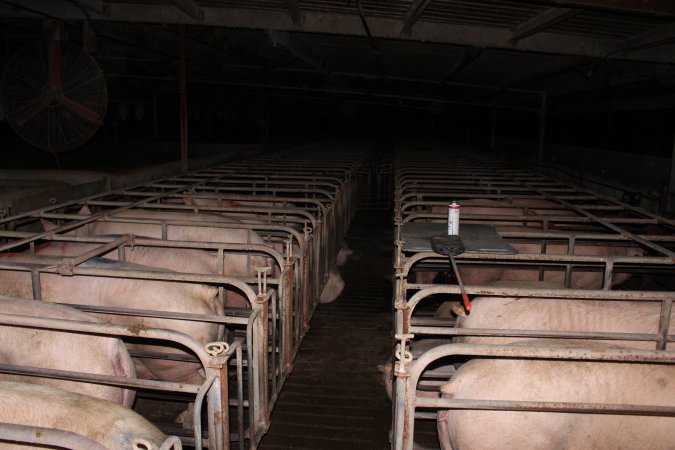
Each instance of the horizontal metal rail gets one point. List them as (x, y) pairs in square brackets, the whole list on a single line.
[(545, 213)]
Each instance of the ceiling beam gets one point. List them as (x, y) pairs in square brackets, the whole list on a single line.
[(190, 8), (294, 12), (641, 102), (657, 75), (468, 55), (413, 14), (543, 21), (367, 93), (350, 25), (97, 6), (554, 66), (657, 37), (297, 49), (652, 7)]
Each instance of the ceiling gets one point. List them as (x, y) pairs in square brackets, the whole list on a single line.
[(496, 54)]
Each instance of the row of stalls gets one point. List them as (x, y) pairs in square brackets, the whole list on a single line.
[(569, 290), (210, 278)]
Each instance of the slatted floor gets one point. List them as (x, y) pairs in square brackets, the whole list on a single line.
[(334, 398)]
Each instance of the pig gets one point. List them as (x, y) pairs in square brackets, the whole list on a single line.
[(333, 287), (507, 207), (49, 349), (580, 279), (335, 283), (557, 381), (562, 315), (106, 423), (482, 275), (128, 293), (472, 275), (183, 260), (179, 260), (235, 207)]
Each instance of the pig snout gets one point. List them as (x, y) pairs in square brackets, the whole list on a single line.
[(333, 287), (343, 255), (110, 425)]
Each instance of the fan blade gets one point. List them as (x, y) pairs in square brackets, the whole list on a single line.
[(29, 112), (55, 79), (79, 109)]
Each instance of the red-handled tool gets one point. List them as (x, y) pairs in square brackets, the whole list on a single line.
[(451, 246), (465, 298)]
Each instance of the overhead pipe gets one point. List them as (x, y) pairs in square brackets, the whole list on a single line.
[(190, 8), (97, 6)]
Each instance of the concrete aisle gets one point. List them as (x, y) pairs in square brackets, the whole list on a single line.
[(334, 398)]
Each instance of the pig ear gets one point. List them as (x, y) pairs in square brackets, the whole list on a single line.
[(459, 310), (85, 211), (636, 252), (48, 225), (190, 201), (383, 368)]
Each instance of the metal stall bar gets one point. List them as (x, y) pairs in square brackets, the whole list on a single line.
[(404, 421)]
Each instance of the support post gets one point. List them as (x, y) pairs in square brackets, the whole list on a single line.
[(155, 122), (493, 137), (671, 181), (542, 128), (183, 99)]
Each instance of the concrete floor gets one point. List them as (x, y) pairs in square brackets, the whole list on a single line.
[(334, 399)]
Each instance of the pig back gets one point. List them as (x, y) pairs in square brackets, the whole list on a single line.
[(111, 425), (563, 315), (49, 349), (235, 264), (558, 381), (165, 296)]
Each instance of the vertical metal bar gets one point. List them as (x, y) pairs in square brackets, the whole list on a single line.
[(224, 417), (609, 272), (155, 122), (213, 402), (35, 281), (542, 250), (240, 398), (542, 127), (286, 313), (182, 77), (251, 362), (568, 267), (493, 136), (274, 360), (263, 333), (671, 180), (664, 323)]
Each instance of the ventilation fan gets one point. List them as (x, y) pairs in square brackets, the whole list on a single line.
[(53, 95)]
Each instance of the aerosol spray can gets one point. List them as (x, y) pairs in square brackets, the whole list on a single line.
[(453, 219)]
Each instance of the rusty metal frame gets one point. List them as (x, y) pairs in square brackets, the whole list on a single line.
[(257, 325), (214, 358), (421, 183), (408, 377), (326, 188)]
